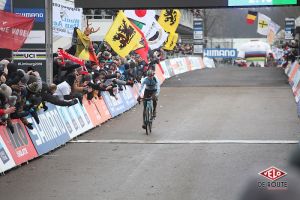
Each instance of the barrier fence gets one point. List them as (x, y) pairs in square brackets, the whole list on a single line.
[(293, 73), (58, 125)]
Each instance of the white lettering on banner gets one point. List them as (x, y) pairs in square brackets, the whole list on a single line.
[(20, 32), (50, 127), (34, 15), (220, 53), (15, 31), (5, 29), (22, 152)]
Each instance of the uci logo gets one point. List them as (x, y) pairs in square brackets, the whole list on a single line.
[(29, 55)]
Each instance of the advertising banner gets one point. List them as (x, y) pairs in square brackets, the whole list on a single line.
[(195, 62), (128, 97), (289, 28), (115, 106), (293, 73), (50, 133), (76, 118), (296, 81), (102, 108), (6, 160), (92, 111), (290, 69), (19, 144), (159, 74), (220, 53), (165, 67), (36, 41), (169, 68), (65, 18)]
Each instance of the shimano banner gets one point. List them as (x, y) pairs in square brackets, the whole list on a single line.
[(220, 53)]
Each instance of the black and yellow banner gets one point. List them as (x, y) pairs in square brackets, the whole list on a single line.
[(122, 36), (171, 42), (169, 19)]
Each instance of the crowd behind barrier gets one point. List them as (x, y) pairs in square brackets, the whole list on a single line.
[(49, 126)]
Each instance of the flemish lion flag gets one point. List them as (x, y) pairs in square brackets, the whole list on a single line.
[(171, 42), (122, 36), (251, 17), (169, 19)]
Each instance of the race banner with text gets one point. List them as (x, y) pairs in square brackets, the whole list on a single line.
[(50, 133), (93, 111), (128, 97), (6, 160), (115, 105), (76, 118), (19, 143), (14, 30), (102, 108), (65, 18)]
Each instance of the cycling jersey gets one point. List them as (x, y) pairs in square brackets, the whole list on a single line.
[(150, 85)]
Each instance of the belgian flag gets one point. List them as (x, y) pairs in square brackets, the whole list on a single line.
[(251, 17)]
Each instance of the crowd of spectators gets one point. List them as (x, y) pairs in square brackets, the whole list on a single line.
[(23, 92), (181, 49)]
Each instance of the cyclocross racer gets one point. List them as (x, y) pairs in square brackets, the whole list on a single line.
[(152, 89)]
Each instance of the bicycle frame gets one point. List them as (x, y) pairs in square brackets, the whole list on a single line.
[(147, 114)]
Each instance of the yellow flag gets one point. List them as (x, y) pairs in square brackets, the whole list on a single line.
[(169, 19), (171, 42), (82, 48), (122, 36)]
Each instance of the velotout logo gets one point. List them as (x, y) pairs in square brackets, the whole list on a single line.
[(273, 174)]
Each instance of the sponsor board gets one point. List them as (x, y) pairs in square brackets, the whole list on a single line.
[(93, 111), (165, 67), (6, 160), (19, 144), (128, 97), (37, 13), (50, 133), (76, 119), (102, 108), (36, 37), (29, 55), (114, 105), (220, 53)]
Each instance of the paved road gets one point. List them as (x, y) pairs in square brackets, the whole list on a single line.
[(198, 110)]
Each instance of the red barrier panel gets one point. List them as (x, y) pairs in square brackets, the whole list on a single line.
[(188, 63), (102, 108), (294, 72), (92, 111), (19, 144), (159, 74)]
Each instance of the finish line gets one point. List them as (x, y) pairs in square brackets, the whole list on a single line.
[(188, 141)]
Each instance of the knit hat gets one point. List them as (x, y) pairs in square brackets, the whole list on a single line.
[(6, 90), (33, 87), (24, 77), (5, 63)]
